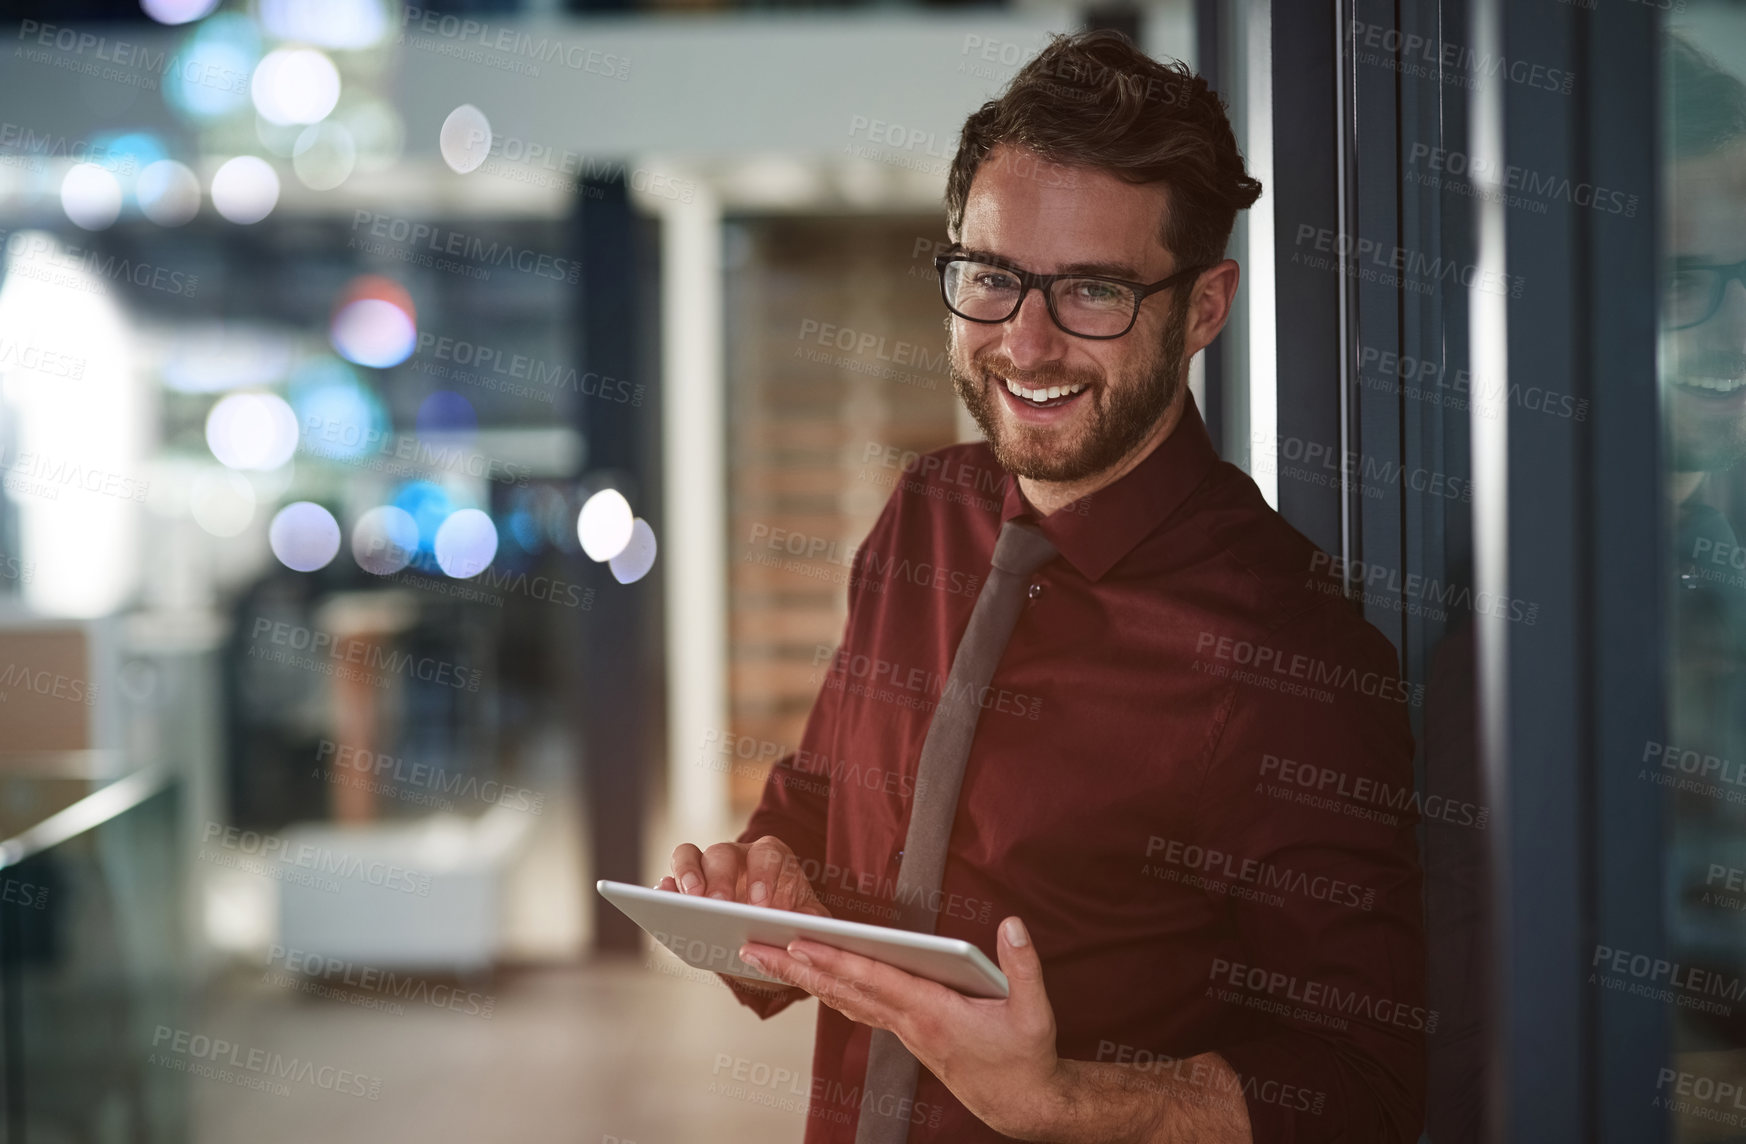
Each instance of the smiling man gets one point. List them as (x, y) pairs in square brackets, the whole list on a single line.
[(1156, 768)]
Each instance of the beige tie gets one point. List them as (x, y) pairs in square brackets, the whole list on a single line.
[(889, 1087)]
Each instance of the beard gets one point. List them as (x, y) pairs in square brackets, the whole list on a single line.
[(1118, 418), (1703, 439)]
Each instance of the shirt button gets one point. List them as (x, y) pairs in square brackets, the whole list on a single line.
[(1036, 590)]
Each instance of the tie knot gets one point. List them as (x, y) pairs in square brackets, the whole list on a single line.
[(1022, 548)]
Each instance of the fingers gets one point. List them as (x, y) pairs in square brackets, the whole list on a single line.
[(723, 864), (770, 872), (687, 868), (1024, 974), (667, 883)]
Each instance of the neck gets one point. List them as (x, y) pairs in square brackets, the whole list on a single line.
[(1047, 496)]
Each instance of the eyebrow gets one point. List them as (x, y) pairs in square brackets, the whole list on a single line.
[(1104, 269)]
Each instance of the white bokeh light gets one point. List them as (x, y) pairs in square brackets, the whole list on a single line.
[(91, 196), (252, 431), (466, 138), (177, 11), (246, 189), (331, 23), (223, 503), (466, 543), (304, 536), (295, 85), (168, 193), (604, 524), (384, 540), (374, 332), (638, 556), (324, 156)]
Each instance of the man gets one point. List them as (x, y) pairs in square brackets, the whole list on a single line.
[(1163, 827), (1702, 348)]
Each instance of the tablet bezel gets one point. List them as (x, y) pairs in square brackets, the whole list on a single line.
[(706, 933)]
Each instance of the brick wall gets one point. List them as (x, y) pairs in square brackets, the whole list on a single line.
[(836, 342)]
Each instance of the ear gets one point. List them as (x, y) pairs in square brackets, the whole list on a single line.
[(1209, 308)]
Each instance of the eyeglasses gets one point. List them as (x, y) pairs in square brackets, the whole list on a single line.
[(1084, 305), (1691, 292)]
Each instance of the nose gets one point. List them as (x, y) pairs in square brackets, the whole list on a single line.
[(1030, 338), (1730, 317)]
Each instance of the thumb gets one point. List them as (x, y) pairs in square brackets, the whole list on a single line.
[(1022, 966)]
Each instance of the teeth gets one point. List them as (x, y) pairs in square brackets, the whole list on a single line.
[(1039, 395), (1714, 384)]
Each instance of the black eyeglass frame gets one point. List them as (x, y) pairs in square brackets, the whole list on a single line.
[(1029, 279), (1735, 272)]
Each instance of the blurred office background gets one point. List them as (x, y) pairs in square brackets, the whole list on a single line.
[(434, 440)]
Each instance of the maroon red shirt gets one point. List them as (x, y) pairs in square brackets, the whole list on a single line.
[(1191, 778)]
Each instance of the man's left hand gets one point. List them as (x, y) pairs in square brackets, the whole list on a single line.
[(997, 1057)]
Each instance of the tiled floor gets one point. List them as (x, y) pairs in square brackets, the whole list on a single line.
[(613, 1051)]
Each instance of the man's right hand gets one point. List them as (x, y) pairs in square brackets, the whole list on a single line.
[(761, 873)]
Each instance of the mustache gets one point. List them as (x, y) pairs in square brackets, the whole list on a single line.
[(1034, 379), (1711, 365)]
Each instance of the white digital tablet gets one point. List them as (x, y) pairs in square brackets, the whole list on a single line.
[(708, 932)]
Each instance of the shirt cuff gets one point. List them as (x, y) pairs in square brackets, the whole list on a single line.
[(763, 998)]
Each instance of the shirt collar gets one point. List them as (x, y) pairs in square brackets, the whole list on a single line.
[(1096, 531)]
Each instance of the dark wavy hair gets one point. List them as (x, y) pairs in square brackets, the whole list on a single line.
[(1094, 99), (1706, 102)]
